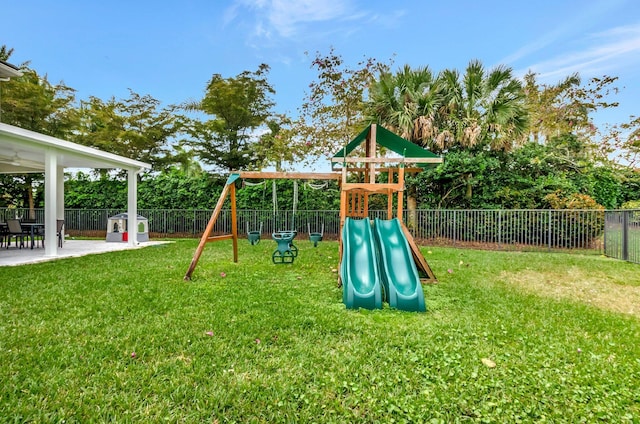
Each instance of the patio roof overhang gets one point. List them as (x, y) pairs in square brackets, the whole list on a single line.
[(7, 70), (23, 151)]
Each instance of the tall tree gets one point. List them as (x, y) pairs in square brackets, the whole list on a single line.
[(482, 109), (277, 145), (625, 138), (238, 106), (135, 127), (32, 102), (333, 111), (567, 106), (475, 111), (407, 102), (5, 53)]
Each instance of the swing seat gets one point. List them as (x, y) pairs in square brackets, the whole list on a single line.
[(292, 247), (286, 251), (315, 238), (254, 237)]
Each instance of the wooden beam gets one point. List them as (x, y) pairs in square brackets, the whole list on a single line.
[(407, 170), (421, 262), (373, 188), (220, 238), (205, 236), (291, 175), (386, 160)]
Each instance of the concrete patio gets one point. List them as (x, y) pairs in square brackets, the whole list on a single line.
[(71, 248)]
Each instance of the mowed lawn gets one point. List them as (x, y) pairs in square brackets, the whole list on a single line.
[(508, 337)]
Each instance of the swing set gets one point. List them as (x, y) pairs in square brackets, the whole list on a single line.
[(286, 251)]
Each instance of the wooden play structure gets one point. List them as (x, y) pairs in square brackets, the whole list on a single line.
[(362, 171)]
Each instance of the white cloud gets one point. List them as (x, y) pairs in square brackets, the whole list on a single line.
[(588, 13), (614, 49), (290, 18), (287, 16)]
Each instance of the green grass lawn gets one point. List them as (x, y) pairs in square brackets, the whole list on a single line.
[(508, 337)]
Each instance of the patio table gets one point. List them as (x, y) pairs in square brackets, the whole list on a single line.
[(32, 226)]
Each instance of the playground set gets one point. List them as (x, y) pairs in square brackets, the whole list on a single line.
[(378, 259)]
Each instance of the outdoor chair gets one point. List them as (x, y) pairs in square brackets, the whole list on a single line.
[(14, 230), (3, 233), (59, 232)]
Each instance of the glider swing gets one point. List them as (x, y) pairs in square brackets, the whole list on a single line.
[(286, 251)]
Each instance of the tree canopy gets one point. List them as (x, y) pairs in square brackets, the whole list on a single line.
[(238, 106), (508, 142)]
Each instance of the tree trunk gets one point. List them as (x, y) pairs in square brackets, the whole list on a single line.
[(411, 209)]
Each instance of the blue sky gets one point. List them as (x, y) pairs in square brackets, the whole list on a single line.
[(170, 49)]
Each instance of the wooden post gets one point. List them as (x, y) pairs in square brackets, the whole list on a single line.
[(205, 236), (400, 192), (365, 205), (343, 202), (372, 154), (234, 222), (390, 197)]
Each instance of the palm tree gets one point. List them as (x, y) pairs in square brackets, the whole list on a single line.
[(482, 109), (476, 110), (406, 103)]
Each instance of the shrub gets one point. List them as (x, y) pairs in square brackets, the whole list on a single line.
[(579, 227), (631, 204)]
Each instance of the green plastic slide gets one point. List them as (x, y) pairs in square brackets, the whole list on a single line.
[(398, 270), (359, 271)]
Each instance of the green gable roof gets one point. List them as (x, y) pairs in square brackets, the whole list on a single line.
[(390, 141)]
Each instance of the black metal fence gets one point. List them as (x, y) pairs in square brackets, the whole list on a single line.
[(524, 229), (622, 235), (509, 229)]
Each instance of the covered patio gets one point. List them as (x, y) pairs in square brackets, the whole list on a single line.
[(23, 151)]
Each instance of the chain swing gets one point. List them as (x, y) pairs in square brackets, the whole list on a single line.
[(254, 236), (316, 237), (286, 251)]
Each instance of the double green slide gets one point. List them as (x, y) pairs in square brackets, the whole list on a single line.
[(377, 264)]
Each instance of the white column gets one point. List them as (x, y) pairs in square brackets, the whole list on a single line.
[(132, 206), (50, 201), (60, 196)]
